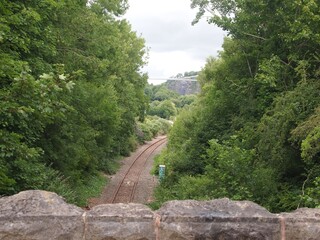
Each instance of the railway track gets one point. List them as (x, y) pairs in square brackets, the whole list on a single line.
[(125, 190)]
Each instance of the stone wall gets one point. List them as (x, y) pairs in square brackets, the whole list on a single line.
[(44, 215)]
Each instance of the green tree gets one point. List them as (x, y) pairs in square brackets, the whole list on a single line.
[(261, 91), (66, 127), (27, 107)]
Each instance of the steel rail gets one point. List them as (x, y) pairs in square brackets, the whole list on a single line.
[(147, 158), (127, 172)]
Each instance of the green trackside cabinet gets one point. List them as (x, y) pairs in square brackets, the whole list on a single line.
[(162, 172)]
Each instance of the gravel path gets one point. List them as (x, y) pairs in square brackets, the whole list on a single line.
[(145, 185)]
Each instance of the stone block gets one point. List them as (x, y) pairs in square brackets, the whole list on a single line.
[(218, 219), (120, 222), (302, 224), (39, 215)]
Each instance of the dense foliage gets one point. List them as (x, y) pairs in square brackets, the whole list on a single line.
[(152, 127), (166, 103), (254, 132), (71, 92)]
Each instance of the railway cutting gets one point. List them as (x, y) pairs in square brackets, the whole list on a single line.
[(133, 183)]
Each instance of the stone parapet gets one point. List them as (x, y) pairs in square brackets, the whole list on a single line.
[(44, 215)]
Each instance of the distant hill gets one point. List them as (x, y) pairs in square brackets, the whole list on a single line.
[(183, 87)]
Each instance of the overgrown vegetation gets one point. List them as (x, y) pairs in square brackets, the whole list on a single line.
[(254, 132), (71, 93), (166, 103), (151, 127)]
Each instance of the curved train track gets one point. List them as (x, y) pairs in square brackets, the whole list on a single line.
[(125, 191)]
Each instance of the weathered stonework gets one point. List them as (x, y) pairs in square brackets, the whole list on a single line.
[(120, 221), (44, 215), (217, 219), (39, 215), (303, 223)]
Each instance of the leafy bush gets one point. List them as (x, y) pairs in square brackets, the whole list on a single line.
[(164, 109), (230, 172), (151, 127), (311, 198)]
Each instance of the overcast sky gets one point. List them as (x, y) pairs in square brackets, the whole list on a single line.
[(175, 45)]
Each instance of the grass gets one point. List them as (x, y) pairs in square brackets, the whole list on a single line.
[(91, 188)]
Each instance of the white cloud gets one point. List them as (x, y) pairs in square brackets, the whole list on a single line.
[(175, 45), (173, 62)]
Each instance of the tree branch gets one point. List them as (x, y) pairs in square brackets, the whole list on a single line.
[(255, 36)]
